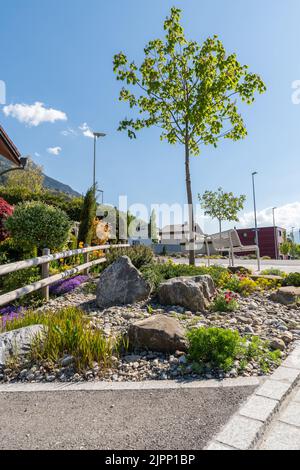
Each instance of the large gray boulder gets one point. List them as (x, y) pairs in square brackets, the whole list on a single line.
[(18, 342), (121, 284), (193, 293), (286, 295), (158, 333)]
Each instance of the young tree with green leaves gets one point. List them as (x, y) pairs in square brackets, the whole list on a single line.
[(188, 90), (88, 214), (222, 206)]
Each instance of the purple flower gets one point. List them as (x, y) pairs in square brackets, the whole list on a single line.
[(10, 313), (67, 285)]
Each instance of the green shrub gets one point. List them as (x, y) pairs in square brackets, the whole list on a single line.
[(87, 217), (273, 272), (35, 224), (220, 348), (292, 279), (215, 346), (22, 278), (68, 332), (225, 302), (140, 255)]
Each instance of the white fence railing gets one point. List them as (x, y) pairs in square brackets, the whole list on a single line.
[(44, 261)]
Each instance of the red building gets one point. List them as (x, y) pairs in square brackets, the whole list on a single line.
[(269, 240)]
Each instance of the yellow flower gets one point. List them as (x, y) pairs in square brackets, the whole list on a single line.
[(81, 245)]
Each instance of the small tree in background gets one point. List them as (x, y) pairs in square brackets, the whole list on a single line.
[(88, 215), (153, 227), (30, 180), (6, 210), (222, 206), (188, 90), (37, 225)]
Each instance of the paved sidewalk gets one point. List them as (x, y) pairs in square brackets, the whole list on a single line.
[(284, 431), (288, 266)]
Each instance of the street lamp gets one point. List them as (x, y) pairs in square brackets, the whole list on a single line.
[(254, 203), (96, 136), (23, 162), (275, 234)]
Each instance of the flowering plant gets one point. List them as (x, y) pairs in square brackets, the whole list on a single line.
[(225, 302), (67, 285)]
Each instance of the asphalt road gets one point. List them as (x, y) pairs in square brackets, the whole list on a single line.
[(183, 419)]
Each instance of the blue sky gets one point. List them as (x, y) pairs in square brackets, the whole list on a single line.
[(59, 52)]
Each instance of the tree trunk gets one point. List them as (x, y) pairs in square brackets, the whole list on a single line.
[(220, 227), (190, 204)]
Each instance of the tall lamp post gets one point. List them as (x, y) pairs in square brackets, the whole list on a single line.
[(254, 203), (275, 234), (96, 136)]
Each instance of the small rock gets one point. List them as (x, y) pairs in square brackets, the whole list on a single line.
[(287, 337), (67, 361), (277, 343)]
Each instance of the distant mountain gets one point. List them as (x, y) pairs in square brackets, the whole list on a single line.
[(54, 185)]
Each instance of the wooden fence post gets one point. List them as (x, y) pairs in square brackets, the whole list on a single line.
[(86, 258), (45, 274)]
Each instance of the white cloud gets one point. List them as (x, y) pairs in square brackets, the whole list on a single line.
[(36, 154), (34, 114), (68, 132), (286, 216), (87, 132), (54, 150)]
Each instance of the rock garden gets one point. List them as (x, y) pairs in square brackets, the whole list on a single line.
[(141, 319)]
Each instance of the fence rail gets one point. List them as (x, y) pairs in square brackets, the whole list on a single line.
[(44, 261)]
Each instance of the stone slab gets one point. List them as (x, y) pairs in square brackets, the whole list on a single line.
[(282, 437), (240, 432), (260, 408)]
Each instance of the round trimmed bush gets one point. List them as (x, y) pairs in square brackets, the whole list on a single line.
[(35, 224)]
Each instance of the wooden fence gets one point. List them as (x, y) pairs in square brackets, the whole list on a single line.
[(44, 262)]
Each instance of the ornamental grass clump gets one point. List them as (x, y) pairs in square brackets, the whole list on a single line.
[(68, 332)]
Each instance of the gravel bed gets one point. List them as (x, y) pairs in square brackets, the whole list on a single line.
[(257, 315)]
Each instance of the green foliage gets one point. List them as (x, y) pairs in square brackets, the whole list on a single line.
[(225, 302), (28, 181), (24, 277), (35, 224), (258, 350), (222, 206), (153, 227), (187, 89), (292, 279), (273, 272), (215, 346), (87, 217), (285, 247), (220, 348), (140, 255), (72, 206), (68, 332), (238, 283), (155, 273)]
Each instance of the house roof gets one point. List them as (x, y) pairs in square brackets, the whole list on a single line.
[(8, 149)]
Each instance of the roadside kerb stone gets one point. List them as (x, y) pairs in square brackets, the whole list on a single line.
[(247, 427)]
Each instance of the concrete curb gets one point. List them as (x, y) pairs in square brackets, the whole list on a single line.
[(249, 424), (147, 385)]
